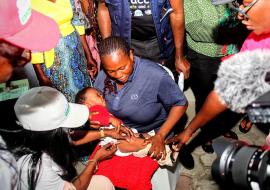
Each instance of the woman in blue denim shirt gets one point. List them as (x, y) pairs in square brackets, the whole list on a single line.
[(139, 92)]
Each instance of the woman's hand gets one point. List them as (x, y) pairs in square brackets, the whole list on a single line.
[(182, 65), (117, 123), (120, 128), (157, 150), (105, 152), (127, 131), (180, 139), (116, 135), (45, 81), (92, 70)]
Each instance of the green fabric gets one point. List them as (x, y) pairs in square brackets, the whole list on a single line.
[(14, 90), (201, 20)]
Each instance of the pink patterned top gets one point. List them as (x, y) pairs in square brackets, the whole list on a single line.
[(255, 41)]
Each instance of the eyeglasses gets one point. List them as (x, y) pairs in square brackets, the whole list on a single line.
[(246, 9), (19, 59)]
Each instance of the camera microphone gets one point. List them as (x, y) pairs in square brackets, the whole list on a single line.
[(243, 78)]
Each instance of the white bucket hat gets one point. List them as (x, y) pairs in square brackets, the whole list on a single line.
[(45, 108)]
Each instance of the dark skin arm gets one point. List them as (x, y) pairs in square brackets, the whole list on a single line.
[(104, 20), (210, 109), (157, 149), (177, 19), (83, 180), (88, 137), (90, 61), (43, 79), (95, 135)]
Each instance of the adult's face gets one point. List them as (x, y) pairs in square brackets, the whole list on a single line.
[(10, 57), (6, 69), (118, 65), (259, 15)]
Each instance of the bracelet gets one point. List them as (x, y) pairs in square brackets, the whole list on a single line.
[(102, 133), (96, 163)]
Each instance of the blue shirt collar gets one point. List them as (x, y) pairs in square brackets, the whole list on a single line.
[(135, 68)]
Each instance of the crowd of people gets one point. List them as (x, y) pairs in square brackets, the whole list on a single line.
[(119, 97)]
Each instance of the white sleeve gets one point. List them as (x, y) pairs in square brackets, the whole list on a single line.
[(49, 175), (8, 168), (8, 171)]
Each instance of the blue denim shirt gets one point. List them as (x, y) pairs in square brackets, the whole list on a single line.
[(121, 22), (146, 99)]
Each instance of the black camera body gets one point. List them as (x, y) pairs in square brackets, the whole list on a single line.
[(240, 165), (259, 110)]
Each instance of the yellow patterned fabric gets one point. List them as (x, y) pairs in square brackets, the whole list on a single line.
[(61, 11), (65, 65)]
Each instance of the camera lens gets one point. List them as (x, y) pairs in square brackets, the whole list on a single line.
[(222, 166), (243, 166)]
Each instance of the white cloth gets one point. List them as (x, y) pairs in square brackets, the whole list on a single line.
[(49, 174), (168, 161), (8, 169), (107, 140), (100, 182), (49, 177), (170, 157)]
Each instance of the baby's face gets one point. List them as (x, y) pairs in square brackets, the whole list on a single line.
[(94, 97)]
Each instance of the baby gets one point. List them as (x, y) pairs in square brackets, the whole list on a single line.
[(136, 144)]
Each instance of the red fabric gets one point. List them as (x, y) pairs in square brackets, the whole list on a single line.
[(226, 57), (103, 115), (128, 172)]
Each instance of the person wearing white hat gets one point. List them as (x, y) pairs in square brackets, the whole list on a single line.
[(46, 158), (21, 30)]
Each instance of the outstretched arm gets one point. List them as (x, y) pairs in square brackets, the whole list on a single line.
[(89, 137), (98, 134), (83, 180), (157, 149), (42, 78), (211, 108)]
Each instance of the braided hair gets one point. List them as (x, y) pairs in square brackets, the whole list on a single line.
[(112, 44), (107, 47)]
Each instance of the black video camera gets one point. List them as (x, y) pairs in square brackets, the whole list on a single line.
[(240, 165), (259, 110)]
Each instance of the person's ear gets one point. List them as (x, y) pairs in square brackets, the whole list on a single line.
[(131, 51), (131, 54)]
